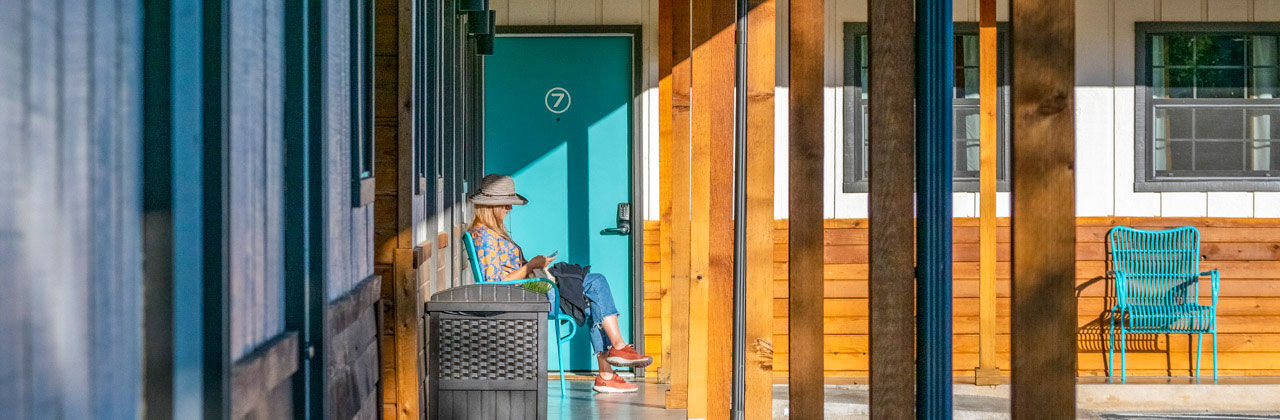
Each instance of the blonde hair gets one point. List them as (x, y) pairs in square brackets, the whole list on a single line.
[(489, 217)]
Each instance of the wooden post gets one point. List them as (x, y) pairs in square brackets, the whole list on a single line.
[(393, 209), (804, 205), (891, 209), (664, 183), (681, 73), (758, 256), (1044, 304), (987, 373), (711, 367)]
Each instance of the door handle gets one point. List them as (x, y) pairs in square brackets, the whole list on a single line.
[(624, 221)]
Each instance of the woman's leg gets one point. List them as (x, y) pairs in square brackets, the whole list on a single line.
[(604, 317)]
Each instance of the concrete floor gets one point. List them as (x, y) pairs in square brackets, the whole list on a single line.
[(1141, 398)]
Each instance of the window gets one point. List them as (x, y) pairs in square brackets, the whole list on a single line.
[(964, 109), (362, 186), (1208, 114)]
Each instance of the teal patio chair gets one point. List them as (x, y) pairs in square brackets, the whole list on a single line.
[(1157, 280), (555, 315)]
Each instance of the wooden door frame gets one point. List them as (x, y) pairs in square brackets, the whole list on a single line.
[(635, 32)]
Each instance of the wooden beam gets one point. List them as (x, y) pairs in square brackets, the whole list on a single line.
[(761, 62), (711, 351), (987, 373), (393, 210), (805, 203), (699, 215), (1044, 304), (720, 62), (681, 80), (891, 93), (664, 182)]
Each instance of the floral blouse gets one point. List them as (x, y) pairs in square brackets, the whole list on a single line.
[(498, 256)]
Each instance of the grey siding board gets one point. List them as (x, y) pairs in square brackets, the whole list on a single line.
[(13, 310), (337, 124), (349, 231), (69, 210), (273, 42), (255, 113)]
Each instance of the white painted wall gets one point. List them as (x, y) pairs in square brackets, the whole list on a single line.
[(1104, 100)]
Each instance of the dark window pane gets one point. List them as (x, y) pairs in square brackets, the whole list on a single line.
[(1219, 50), (1175, 50), (1219, 156), (1219, 123), (1172, 123), (1220, 83), (1176, 82), (1180, 156)]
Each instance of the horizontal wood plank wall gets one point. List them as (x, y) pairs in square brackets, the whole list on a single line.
[(351, 325), (260, 385), (1247, 251)]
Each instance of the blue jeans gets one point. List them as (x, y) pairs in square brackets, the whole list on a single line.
[(600, 306)]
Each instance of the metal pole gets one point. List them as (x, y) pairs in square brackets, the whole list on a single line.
[(739, 392), (934, 84)]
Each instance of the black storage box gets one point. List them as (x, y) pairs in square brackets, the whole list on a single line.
[(488, 353)]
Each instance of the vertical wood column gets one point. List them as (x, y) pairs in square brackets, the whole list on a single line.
[(664, 186), (713, 23), (987, 373), (700, 197), (1044, 304), (891, 208), (677, 361), (761, 63), (394, 258), (804, 204)]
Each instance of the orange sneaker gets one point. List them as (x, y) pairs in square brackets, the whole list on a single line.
[(627, 357), (613, 385)]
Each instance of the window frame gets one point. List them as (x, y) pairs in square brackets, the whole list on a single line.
[(361, 102), (850, 172), (1144, 178)]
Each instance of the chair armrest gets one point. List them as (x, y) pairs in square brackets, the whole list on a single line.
[(1213, 278)]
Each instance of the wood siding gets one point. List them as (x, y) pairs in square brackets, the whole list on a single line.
[(70, 261), (349, 242), (1247, 251), (351, 325), (255, 138), (260, 382)]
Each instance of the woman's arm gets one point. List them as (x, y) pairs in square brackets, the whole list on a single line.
[(525, 270)]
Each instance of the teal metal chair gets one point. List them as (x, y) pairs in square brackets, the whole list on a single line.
[(1157, 281), (555, 315)]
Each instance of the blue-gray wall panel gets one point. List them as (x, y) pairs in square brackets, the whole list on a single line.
[(70, 317), (255, 174), (348, 230)]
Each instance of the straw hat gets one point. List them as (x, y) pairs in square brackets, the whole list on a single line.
[(497, 190)]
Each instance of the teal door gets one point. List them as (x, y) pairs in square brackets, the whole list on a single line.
[(558, 118)]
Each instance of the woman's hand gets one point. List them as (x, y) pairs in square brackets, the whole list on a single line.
[(539, 261)]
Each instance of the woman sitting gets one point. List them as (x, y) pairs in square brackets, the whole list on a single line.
[(501, 259)]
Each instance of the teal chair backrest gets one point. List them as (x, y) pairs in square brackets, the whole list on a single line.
[(477, 275), (1155, 267)]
